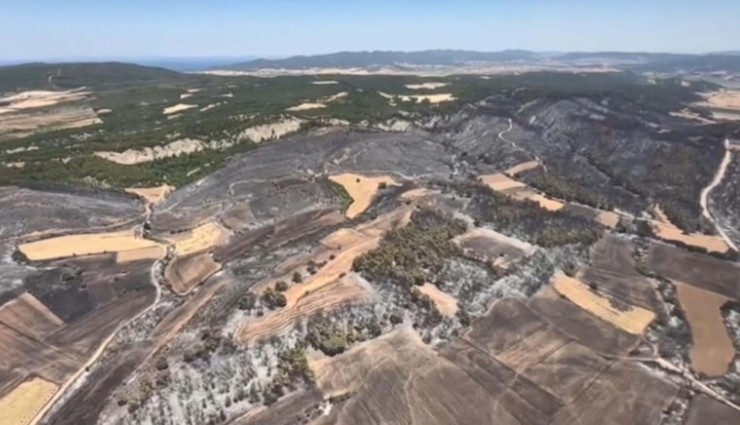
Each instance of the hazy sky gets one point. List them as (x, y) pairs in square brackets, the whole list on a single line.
[(59, 29)]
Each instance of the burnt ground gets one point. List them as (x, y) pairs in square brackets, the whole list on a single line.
[(545, 359)]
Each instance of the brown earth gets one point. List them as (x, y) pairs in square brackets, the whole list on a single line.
[(706, 411), (445, 303), (573, 321), (511, 368), (614, 272), (712, 350), (26, 312), (494, 248), (691, 268), (185, 273)]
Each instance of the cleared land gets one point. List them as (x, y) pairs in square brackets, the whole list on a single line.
[(151, 195), (500, 182), (86, 244), (629, 318), (522, 167), (445, 303), (670, 232), (712, 350), (26, 312), (25, 401), (184, 273), (361, 189), (40, 98), (528, 194), (499, 250), (613, 271), (203, 238), (691, 268)]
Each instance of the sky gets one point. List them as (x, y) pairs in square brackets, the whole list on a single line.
[(110, 29)]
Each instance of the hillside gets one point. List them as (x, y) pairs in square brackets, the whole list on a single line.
[(44, 76), (639, 61), (385, 58)]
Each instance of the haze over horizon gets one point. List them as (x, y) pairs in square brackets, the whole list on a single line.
[(76, 30)]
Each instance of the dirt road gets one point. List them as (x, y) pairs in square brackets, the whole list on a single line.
[(704, 199), (504, 139)]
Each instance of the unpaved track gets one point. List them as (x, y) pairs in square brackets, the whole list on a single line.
[(704, 199), (513, 143)]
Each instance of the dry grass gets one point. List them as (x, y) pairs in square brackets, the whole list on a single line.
[(87, 244), (203, 238), (629, 318), (156, 252), (725, 99), (39, 99), (712, 350), (151, 195), (670, 232), (500, 182), (362, 189), (520, 168), (528, 194), (445, 303), (22, 404), (608, 218), (23, 123)]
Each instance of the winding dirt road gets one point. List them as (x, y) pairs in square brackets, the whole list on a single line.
[(704, 199)]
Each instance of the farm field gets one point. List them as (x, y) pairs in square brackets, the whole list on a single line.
[(85, 244), (711, 350), (25, 401)]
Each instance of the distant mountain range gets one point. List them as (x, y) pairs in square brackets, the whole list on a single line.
[(658, 62)]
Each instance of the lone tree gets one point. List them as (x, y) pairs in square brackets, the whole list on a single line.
[(297, 278), (281, 286)]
